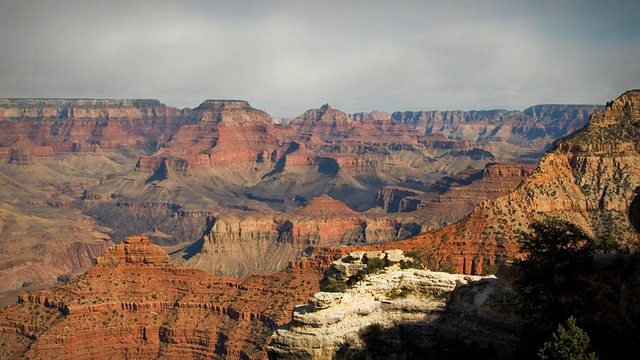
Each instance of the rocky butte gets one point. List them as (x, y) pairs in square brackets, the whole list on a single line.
[(135, 303)]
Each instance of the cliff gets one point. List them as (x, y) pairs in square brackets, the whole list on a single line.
[(587, 178), (538, 124), (222, 177), (399, 313), (238, 244), (134, 303), (66, 124), (461, 191)]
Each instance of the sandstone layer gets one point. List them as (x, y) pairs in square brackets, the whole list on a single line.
[(588, 178), (223, 178), (453, 197), (134, 303), (398, 313), (240, 244)]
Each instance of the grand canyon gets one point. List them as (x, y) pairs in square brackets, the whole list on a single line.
[(133, 229)]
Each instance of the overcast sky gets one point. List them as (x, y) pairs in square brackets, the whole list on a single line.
[(288, 56)]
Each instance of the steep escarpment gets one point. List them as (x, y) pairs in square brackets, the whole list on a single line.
[(134, 303), (587, 178), (67, 125), (453, 197), (239, 244), (537, 125), (115, 168), (407, 313)]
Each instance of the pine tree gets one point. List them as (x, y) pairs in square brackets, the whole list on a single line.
[(568, 342), (550, 280)]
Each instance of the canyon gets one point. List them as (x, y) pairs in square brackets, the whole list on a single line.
[(589, 178), (227, 189), (146, 306)]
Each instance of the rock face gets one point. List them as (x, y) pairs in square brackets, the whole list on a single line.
[(134, 303), (541, 122), (397, 199), (65, 126), (587, 178), (265, 243), (460, 192), (224, 179), (398, 313), (135, 250), (324, 121)]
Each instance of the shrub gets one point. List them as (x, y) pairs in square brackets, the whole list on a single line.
[(411, 264), (413, 254), (375, 265), (399, 293), (489, 269), (332, 285)]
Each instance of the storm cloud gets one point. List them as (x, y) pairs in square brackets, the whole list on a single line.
[(288, 56)]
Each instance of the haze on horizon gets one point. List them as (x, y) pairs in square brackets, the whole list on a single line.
[(288, 56)]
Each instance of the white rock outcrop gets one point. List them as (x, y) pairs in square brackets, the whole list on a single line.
[(342, 324)]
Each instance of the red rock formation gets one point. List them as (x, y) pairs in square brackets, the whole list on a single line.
[(28, 259), (322, 122), (373, 116), (222, 155), (66, 124), (390, 199), (439, 141), (230, 113), (540, 123), (324, 206), (130, 307), (588, 178), (453, 197), (135, 250), (239, 243)]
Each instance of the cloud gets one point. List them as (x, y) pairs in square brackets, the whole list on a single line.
[(288, 56)]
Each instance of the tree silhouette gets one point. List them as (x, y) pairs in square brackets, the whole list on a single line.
[(551, 280)]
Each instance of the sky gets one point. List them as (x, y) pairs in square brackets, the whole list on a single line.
[(285, 57)]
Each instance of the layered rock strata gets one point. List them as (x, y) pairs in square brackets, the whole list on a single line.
[(67, 125), (540, 122), (398, 313), (587, 178), (134, 303), (266, 242), (460, 192), (141, 167)]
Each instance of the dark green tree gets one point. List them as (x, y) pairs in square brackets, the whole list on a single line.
[(568, 342), (551, 278)]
